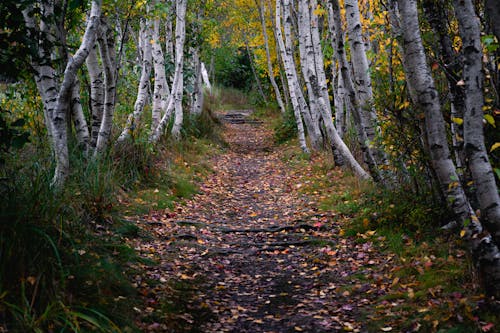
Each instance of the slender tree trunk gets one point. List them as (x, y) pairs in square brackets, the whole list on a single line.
[(270, 69), (291, 78), (79, 121), (359, 120), (197, 104), (60, 134), (374, 156), (310, 119), (175, 97), (475, 150), (133, 119), (107, 50), (255, 74), (204, 76), (96, 93), (423, 92), (160, 90), (180, 37), (437, 16)]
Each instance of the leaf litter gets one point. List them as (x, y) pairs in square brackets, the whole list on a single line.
[(252, 252)]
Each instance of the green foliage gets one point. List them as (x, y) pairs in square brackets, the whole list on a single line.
[(286, 129), (61, 263), (232, 68)]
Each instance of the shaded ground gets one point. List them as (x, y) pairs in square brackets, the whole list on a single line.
[(250, 253)]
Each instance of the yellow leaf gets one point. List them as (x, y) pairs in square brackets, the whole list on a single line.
[(489, 118), (495, 146), (458, 121), (462, 233)]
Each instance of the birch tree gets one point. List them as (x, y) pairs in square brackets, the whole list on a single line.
[(180, 37), (57, 97), (424, 94), (261, 7), (475, 150), (175, 97), (134, 118), (160, 90), (106, 45), (96, 77)]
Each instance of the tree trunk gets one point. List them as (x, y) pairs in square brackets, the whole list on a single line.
[(160, 90), (291, 78), (270, 69), (423, 92), (312, 124), (60, 130), (254, 72), (374, 156), (79, 121), (197, 99), (475, 150), (180, 36), (96, 94), (133, 119), (437, 16), (357, 111), (175, 97), (107, 49)]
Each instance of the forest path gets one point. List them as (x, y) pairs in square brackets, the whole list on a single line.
[(253, 252)]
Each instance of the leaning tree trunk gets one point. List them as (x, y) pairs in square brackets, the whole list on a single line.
[(357, 111), (96, 94), (180, 37), (424, 93), (361, 69), (107, 49), (60, 131), (475, 150), (160, 90), (437, 17), (133, 119), (291, 78), (270, 69)]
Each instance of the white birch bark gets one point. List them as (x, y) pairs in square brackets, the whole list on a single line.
[(310, 118), (160, 89), (360, 67), (133, 120), (180, 37), (475, 150), (59, 117), (270, 69), (424, 93), (78, 118), (204, 76), (197, 104), (175, 97), (96, 93), (107, 49), (352, 93), (291, 79)]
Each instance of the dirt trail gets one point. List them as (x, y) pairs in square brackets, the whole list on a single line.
[(254, 253)]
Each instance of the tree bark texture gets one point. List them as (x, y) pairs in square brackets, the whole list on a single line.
[(475, 150), (423, 92)]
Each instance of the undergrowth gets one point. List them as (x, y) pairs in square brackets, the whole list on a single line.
[(432, 285), (65, 265)]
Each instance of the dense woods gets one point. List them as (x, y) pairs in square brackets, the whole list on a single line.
[(404, 94)]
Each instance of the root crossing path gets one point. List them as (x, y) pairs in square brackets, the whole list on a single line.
[(251, 253)]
